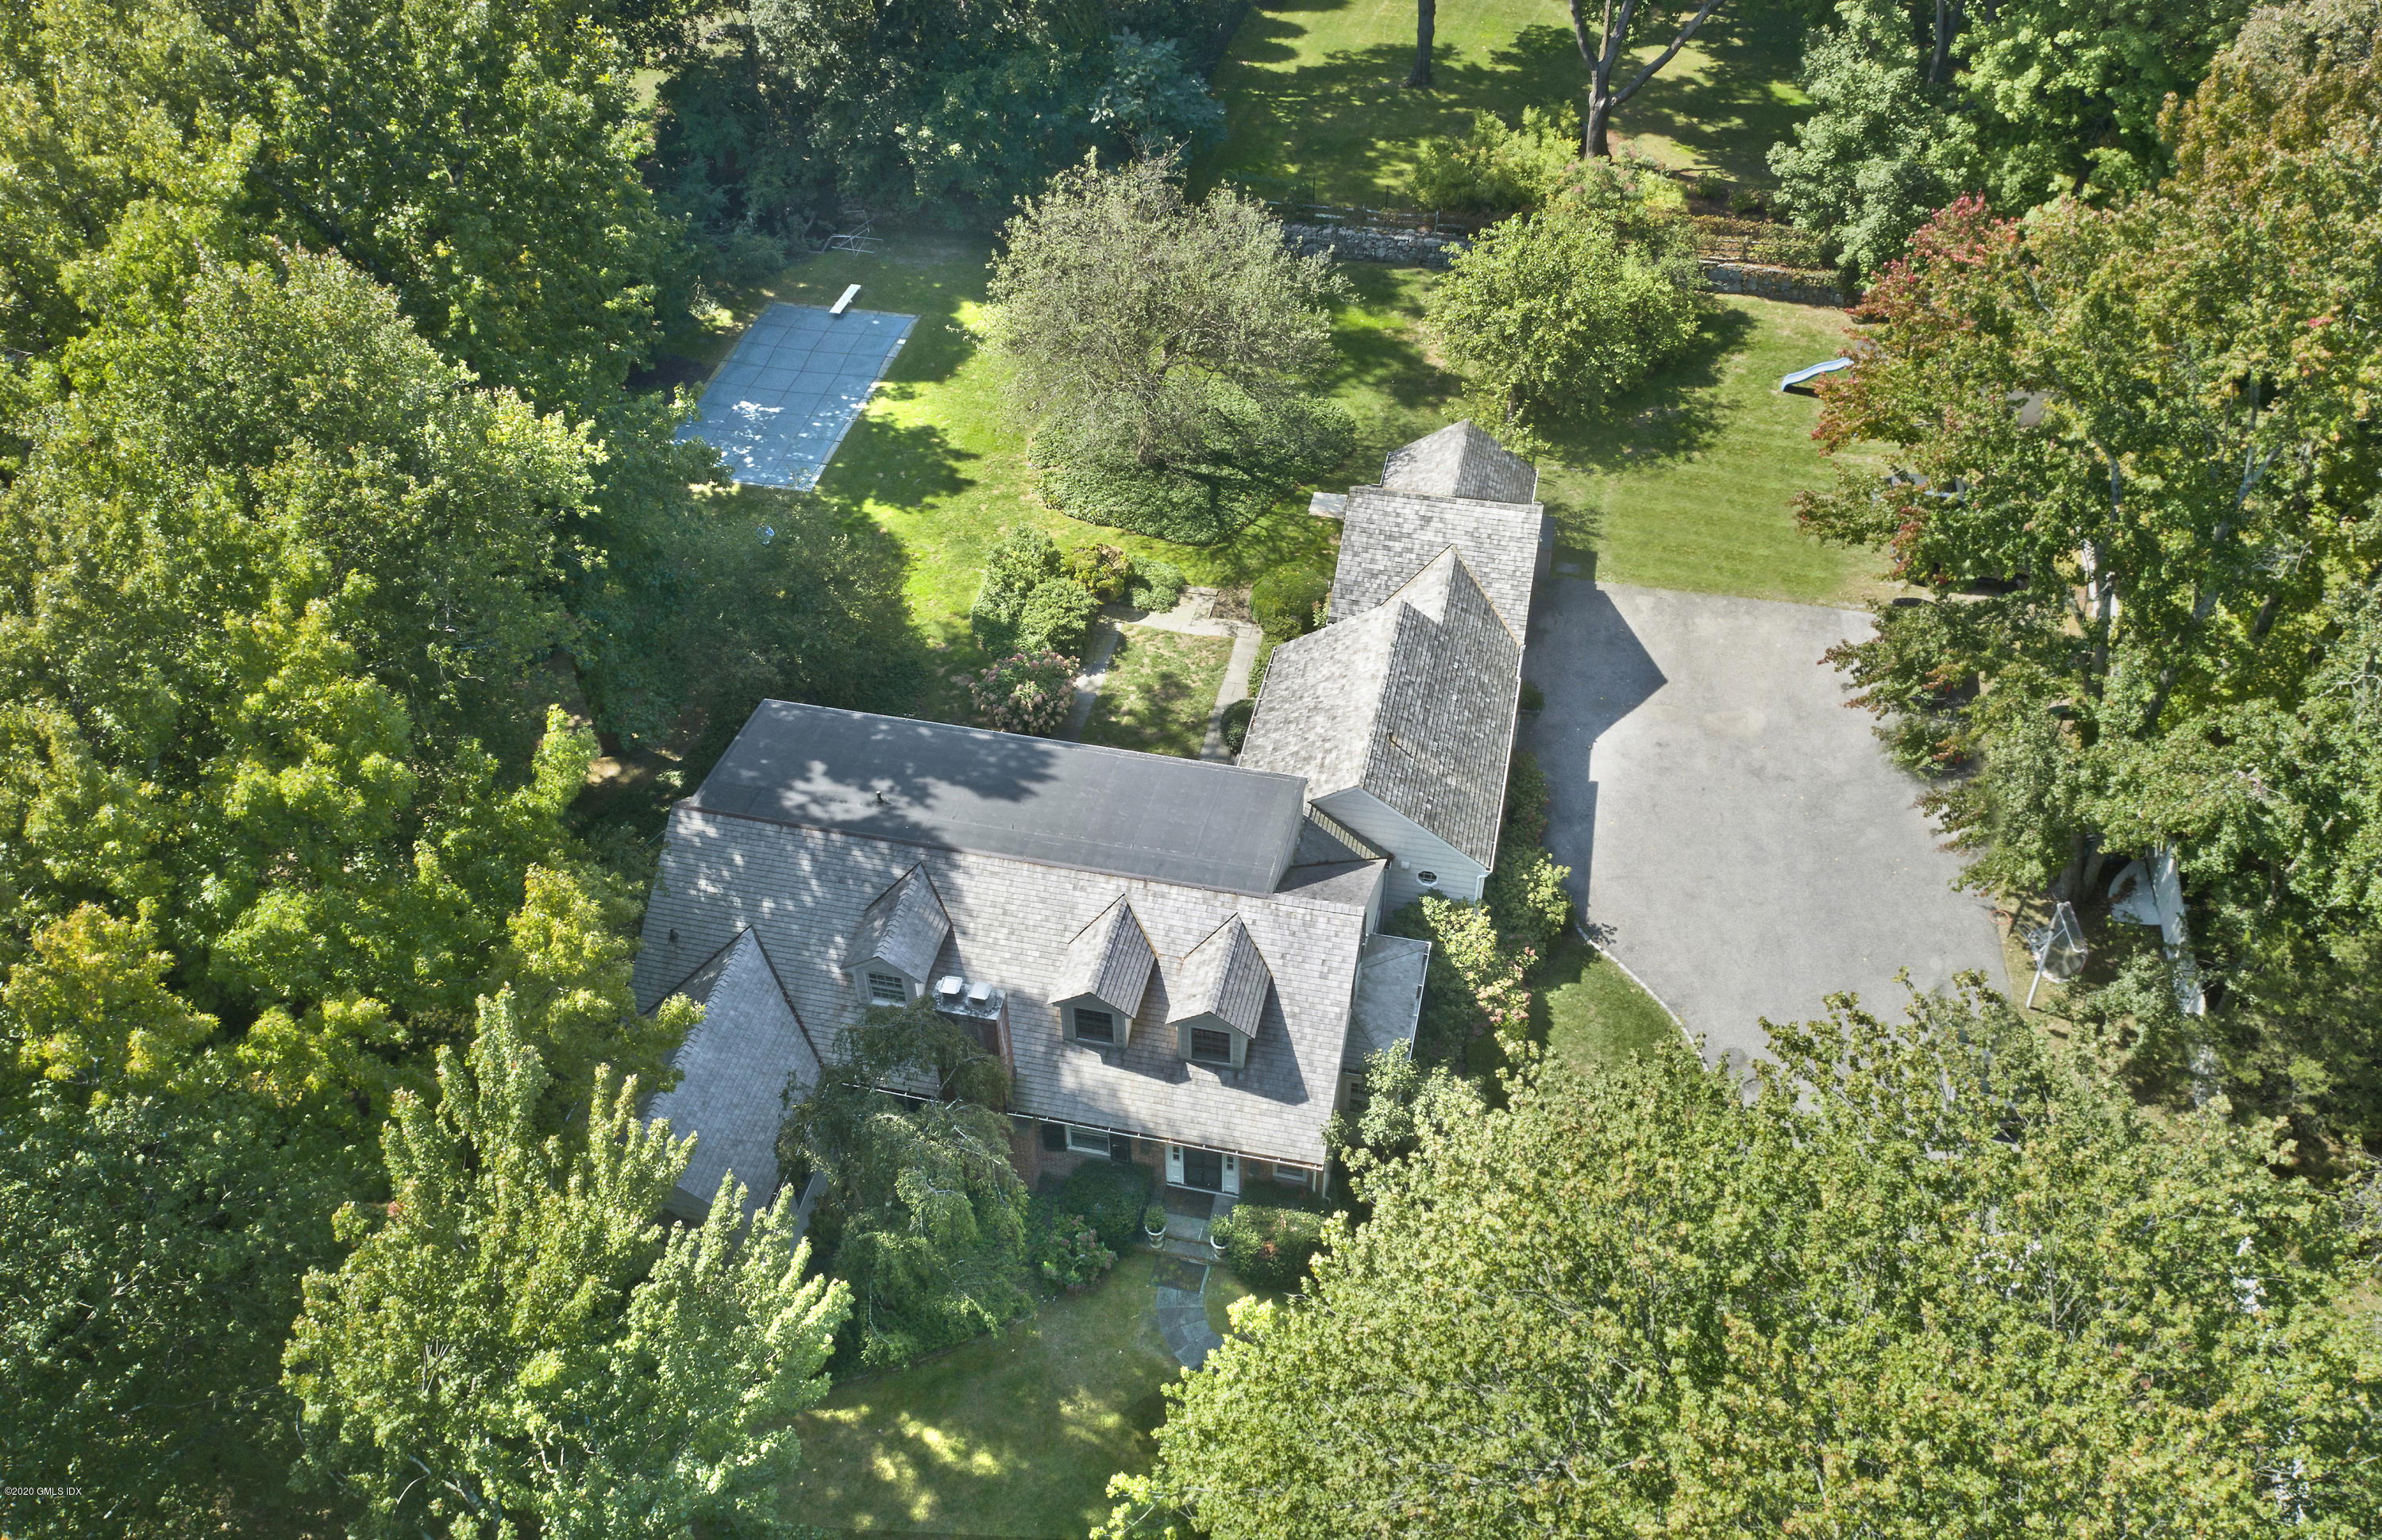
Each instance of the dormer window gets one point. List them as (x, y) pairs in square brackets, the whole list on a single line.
[(1217, 1002), (1102, 979), (893, 951)]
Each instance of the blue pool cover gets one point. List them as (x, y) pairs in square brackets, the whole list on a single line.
[(788, 393)]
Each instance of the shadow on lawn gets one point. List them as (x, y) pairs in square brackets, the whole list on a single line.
[(1730, 110), (1672, 417), (904, 464), (1348, 119)]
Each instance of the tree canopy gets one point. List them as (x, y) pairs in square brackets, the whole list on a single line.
[(1930, 1279), (515, 1341), (1553, 313), (2018, 102), (924, 1215), (2141, 478)]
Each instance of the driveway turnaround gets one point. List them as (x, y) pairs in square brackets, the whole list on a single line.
[(1738, 838)]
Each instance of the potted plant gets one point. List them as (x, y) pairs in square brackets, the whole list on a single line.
[(1219, 1237), (1153, 1222)]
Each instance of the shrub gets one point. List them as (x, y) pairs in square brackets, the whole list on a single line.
[(1497, 169), (1020, 561), (1074, 1255), (1236, 724), (1526, 802), (1111, 1195), (1534, 698), (1102, 569), (1550, 315), (1026, 692), (1270, 1248), (1154, 1218), (1251, 454), (1155, 585), (1525, 899), (1748, 200), (1056, 617), (1288, 601)]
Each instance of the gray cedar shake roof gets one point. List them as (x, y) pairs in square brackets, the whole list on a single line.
[(1389, 997), (733, 1070), (1387, 536), (1109, 960), (1225, 976), (930, 785), (1413, 701), (802, 890), (905, 926), (1461, 461)]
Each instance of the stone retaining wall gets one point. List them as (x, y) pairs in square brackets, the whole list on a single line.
[(1398, 248), (1414, 249), (1792, 285)]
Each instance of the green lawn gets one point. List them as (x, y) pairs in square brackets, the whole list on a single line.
[(1161, 687), (1686, 484), (1012, 1434), (1315, 108), (1586, 1010)]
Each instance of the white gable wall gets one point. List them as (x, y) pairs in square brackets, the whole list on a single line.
[(1412, 849)]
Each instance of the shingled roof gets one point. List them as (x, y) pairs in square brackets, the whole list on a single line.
[(1386, 537), (934, 786), (904, 925), (1226, 977), (802, 888), (1413, 701), (1109, 960), (733, 1070), (1461, 461)]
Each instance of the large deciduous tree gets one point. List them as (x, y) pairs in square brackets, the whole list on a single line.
[(923, 1212), (1920, 101), (2152, 430), (1930, 1279), (1144, 327), (1622, 26), (515, 1343), (150, 1247)]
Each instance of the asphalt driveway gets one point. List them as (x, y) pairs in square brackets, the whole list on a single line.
[(1736, 834)]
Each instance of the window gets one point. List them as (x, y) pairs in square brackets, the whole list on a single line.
[(1095, 1026), (1429, 879), (888, 988), (1088, 1141), (1206, 1042)]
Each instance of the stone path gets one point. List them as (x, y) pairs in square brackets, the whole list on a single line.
[(1096, 659), (1182, 1312)]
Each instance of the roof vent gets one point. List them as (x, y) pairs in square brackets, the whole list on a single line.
[(979, 993), (948, 986)]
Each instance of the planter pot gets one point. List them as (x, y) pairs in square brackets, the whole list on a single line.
[(1216, 1245), (1156, 1236)]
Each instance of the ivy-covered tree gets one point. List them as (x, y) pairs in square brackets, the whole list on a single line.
[(923, 1212), (1933, 1277), (516, 1343)]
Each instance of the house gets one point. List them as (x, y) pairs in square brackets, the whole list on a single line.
[(1180, 962)]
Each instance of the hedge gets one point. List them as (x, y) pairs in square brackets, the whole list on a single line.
[(1270, 1248), (1111, 1194)]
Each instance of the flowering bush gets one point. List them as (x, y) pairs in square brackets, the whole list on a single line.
[(1075, 1256), (1025, 692)]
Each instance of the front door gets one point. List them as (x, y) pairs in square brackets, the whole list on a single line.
[(1209, 1170), (1203, 1170)]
